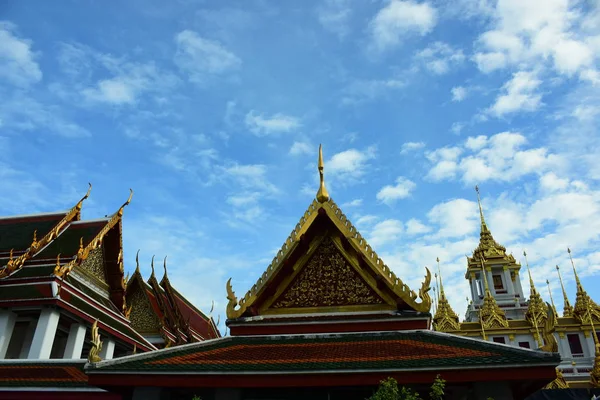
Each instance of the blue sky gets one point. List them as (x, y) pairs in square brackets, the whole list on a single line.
[(213, 112)]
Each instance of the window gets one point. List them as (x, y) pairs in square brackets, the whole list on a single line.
[(575, 345), (525, 345), (498, 282), (499, 339)]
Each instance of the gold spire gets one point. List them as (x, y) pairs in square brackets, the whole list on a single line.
[(536, 308), (488, 247), (483, 224), (552, 302), (595, 372), (445, 318), (490, 314), (322, 195), (567, 309), (585, 308)]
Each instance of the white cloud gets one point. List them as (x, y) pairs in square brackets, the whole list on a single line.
[(385, 232), (301, 148), (262, 125), (455, 218), (416, 227), (519, 95), (17, 60), (500, 157), (402, 189), (353, 203), (334, 15), (459, 93), (360, 91), (440, 57), (398, 19), (411, 146), (200, 57), (350, 165), (551, 182)]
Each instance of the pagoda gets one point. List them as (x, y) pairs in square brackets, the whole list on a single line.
[(500, 312), (327, 319)]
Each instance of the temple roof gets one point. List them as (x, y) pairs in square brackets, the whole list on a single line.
[(16, 232), (43, 374), (369, 351)]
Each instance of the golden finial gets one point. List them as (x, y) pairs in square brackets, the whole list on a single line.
[(579, 287), (137, 261), (322, 195), (552, 300), (533, 306), (152, 266), (531, 285), (94, 354), (34, 243), (483, 224), (567, 308), (437, 259), (120, 211)]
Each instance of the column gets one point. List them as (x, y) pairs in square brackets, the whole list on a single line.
[(473, 283), (490, 280), (518, 287), (589, 339), (508, 281), (43, 338), (75, 341), (7, 324), (108, 349)]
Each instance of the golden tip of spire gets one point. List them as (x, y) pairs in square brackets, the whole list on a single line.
[(322, 195)]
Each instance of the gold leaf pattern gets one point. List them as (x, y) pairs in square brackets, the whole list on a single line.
[(327, 280)]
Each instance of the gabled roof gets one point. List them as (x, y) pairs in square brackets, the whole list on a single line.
[(333, 353), (42, 374), (328, 210), (16, 232)]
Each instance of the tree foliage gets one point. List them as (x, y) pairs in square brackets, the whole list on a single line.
[(388, 390)]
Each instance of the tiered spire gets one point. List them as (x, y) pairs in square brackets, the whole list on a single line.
[(537, 311), (490, 315), (322, 195), (595, 372), (445, 318), (568, 308), (488, 247), (552, 302), (585, 308)]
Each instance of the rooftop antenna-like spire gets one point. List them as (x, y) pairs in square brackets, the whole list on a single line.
[(579, 287), (483, 224), (322, 195), (567, 308)]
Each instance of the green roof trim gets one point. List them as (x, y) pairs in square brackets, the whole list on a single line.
[(17, 233), (67, 243)]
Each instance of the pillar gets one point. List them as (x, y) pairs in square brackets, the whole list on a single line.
[(75, 341), (43, 338), (7, 324), (518, 287), (508, 281), (108, 349), (474, 295), (490, 280)]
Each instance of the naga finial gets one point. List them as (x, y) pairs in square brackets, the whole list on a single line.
[(94, 354), (322, 195), (165, 267), (120, 212), (137, 261), (152, 266)]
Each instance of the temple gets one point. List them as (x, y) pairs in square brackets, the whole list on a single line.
[(62, 284), (328, 319), (499, 312)]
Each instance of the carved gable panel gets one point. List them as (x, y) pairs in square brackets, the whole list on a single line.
[(94, 264), (142, 317), (327, 280)]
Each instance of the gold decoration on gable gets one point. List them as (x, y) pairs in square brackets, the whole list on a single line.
[(94, 264), (558, 383), (236, 307), (142, 316), (327, 280), (94, 354)]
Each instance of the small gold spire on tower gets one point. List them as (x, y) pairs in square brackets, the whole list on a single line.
[(445, 318), (490, 314), (585, 309), (536, 308), (567, 309), (552, 302), (137, 261), (483, 224), (152, 266), (595, 372), (322, 195)]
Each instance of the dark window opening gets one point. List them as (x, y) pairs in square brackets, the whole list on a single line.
[(498, 282), (525, 345), (575, 345), (499, 340)]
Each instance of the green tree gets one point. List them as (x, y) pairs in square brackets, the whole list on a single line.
[(388, 390)]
